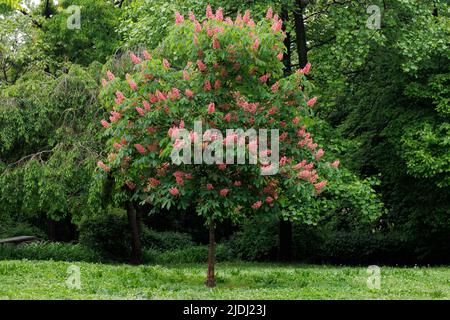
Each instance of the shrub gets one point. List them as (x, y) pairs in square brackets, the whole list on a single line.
[(49, 251), (165, 240), (257, 240), (194, 254), (360, 247), (12, 229), (108, 234)]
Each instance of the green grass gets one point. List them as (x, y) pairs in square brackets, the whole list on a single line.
[(47, 280)]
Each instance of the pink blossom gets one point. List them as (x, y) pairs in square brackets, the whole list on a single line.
[(224, 192), (178, 18), (238, 77), (217, 84), (146, 55), (237, 183), (209, 186), (296, 120), (173, 132), (222, 166), (257, 205), (139, 148), (132, 84), (191, 16), (269, 13), (207, 85), (197, 26), (211, 107), (154, 182), (134, 58), (175, 93), (103, 166), (114, 116), (307, 68), (275, 87), (110, 75), (277, 25), (209, 13), (140, 111), (104, 82), (283, 136), (238, 21), (189, 93), (193, 136), (120, 97), (146, 105), (185, 75), (246, 17), (131, 185), (319, 154), (219, 14), (312, 102), (320, 185), (104, 123), (179, 180), (305, 174), (255, 44), (201, 66), (227, 117), (228, 21), (216, 43), (280, 56), (117, 145), (335, 164), (264, 78), (174, 191), (166, 64), (160, 95), (269, 200)]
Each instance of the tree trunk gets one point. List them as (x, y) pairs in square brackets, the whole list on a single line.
[(287, 43), (285, 238), (136, 251), (300, 33), (210, 278)]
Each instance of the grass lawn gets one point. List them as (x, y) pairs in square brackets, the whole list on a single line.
[(47, 280)]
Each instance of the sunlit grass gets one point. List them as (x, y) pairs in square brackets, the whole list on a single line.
[(47, 280)]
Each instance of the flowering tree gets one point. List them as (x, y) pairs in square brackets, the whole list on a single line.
[(181, 118)]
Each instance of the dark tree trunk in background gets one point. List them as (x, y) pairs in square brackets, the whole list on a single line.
[(287, 43), (285, 227), (300, 33), (136, 251), (285, 239), (210, 278)]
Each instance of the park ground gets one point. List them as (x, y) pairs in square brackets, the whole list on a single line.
[(49, 280)]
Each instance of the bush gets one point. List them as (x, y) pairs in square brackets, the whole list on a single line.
[(10, 228), (109, 234), (165, 240), (49, 251), (257, 240), (194, 254), (360, 247)]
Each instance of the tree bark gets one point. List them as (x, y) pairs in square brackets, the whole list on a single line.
[(285, 239), (300, 33), (136, 250), (210, 278), (287, 43)]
